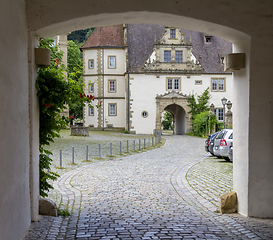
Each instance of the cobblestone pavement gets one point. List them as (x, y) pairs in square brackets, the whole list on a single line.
[(151, 195)]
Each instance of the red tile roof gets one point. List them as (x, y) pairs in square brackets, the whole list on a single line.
[(109, 36)]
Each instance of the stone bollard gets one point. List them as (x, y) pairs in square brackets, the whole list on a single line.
[(228, 203)]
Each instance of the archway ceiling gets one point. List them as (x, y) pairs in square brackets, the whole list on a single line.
[(49, 18)]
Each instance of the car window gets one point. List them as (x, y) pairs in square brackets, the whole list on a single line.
[(221, 135), (231, 136)]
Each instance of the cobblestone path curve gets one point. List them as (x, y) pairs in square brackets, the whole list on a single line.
[(143, 196)]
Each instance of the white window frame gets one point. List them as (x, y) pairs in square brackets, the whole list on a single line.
[(112, 109), (220, 116), (218, 84), (91, 111), (173, 84), (91, 87), (91, 63), (112, 89), (112, 62)]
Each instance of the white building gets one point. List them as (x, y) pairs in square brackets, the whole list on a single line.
[(162, 72)]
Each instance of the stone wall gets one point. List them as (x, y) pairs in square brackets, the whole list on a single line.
[(79, 131)]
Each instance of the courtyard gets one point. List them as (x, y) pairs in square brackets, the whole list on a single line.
[(171, 192)]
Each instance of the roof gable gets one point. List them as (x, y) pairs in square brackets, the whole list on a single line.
[(108, 36)]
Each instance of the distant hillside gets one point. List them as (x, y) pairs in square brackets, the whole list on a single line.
[(80, 36)]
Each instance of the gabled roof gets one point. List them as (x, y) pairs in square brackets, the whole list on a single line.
[(109, 36), (141, 37)]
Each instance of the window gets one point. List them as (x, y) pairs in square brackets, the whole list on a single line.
[(167, 56), (198, 82), (91, 111), (111, 61), (172, 33), (219, 112), (173, 84), (112, 109), (169, 84), (144, 114), (176, 84), (178, 56), (208, 39), (218, 84), (91, 63), (112, 86), (91, 87)]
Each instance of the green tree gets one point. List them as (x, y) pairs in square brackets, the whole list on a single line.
[(167, 120), (54, 92), (75, 71), (199, 105), (202, 122)]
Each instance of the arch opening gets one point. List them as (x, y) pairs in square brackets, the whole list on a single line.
[(179, 118)]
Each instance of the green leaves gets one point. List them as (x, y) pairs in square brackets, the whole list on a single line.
[(200, 105), (201, 120), (55, 93)]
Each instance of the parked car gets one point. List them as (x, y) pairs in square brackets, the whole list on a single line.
[(209, 141), (222, 143), (230, 152), (211, 144)]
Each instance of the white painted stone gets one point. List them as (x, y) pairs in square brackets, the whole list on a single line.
[(247, 24)]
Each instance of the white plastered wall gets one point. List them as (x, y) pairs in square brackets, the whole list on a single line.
[(144, 89), (237, 21), (15, 124)]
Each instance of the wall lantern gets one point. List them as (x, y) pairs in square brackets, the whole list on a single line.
[(224, 101), (42, 57), (234, 61)]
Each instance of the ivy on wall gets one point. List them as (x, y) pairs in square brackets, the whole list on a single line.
[(55, 92)]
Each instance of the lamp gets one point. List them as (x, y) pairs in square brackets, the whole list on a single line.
[(224, 101)]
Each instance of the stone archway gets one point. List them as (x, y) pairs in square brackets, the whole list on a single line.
[(177, 103)]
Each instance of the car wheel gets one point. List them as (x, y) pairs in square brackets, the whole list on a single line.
[(227, 159)]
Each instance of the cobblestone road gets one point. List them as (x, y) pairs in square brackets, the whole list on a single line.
[(160, 194)]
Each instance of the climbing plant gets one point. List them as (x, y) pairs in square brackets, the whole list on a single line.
[(55, 92)]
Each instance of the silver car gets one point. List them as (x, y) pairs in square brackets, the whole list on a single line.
[(222, 143)]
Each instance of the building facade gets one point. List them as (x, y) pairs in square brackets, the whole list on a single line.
[(138, 71)]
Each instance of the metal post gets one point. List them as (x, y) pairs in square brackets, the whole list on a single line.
[(120, 147), (149, 142), (144, 143), (134, 145), (152, 141), (72, 155), (139, 144), (99, 151), (87, 153), (60, 157), (110, 149), (127, 146)]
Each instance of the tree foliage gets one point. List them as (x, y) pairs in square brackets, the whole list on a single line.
[(80, 36), (200, 104), (55, 92), (167, 120), (74, 72), (202, 121)]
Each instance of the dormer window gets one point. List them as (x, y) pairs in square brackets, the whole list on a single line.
[(208, 39), (172, 33)]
